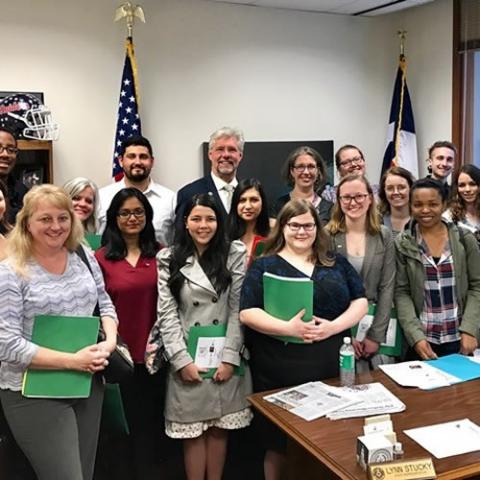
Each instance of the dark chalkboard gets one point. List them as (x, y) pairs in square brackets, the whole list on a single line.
[(264, 160)]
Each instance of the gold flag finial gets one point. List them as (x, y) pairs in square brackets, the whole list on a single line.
[(129, 12), (402, 34)]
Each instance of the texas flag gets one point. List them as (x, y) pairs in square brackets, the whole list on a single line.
[(401, 149)]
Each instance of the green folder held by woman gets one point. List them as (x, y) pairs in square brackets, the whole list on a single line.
[(65, 334)]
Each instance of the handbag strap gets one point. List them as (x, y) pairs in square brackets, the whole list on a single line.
[(80, 251)]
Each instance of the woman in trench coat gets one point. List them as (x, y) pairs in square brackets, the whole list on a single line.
[(199, 282)]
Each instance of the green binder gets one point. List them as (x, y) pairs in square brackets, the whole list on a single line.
[(392, 348), (284, 297), (209, 331), (94, 240), (66, 334)]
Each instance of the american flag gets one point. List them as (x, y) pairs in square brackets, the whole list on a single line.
[(128, 119)]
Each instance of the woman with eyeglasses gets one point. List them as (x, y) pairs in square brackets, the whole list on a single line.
[(127, 260), (305, 171), (199, 283), (358, 235), (437, 291), (464, 207), (84, 195), (297, 248), (394, 199), (248, 217)]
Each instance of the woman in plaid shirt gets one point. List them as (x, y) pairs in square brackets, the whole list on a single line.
[(437, 291)]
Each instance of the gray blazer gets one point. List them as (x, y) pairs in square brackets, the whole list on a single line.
[(378, 275), (201, 305)]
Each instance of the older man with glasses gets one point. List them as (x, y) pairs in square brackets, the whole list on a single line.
[(8, 159)]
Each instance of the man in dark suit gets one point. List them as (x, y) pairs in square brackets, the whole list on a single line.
[(225, 151)]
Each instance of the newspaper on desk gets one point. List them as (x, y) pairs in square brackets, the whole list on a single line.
[(372, 399), (311, 400)]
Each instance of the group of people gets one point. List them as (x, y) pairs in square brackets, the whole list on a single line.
[(172, 262)]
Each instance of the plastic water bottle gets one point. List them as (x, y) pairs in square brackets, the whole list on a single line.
[(347, 363)]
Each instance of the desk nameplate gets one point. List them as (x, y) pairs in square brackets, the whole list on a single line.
[(418, 469)]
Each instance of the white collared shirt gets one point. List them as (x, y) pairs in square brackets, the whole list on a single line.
[(224, 196), (161, 199)]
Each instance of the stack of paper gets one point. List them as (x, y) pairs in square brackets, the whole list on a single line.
[(312, 400), (372, 399)]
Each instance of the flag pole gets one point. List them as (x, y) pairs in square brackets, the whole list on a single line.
[(403, 66), (128, 117)]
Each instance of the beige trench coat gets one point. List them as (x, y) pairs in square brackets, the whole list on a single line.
[(200, 305)]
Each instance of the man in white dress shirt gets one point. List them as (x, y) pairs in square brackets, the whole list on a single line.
[(225, 151), (136, 161)]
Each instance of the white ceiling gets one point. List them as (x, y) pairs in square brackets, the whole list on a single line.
[(342, 7)]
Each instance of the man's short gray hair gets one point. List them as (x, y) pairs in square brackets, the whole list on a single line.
[(227, 132)]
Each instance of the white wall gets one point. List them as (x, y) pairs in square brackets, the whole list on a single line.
[(277, 74)]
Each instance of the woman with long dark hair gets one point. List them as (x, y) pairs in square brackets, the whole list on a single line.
[(437, 288), (127, 260), (199, 283), (464, 207), (248, 218)]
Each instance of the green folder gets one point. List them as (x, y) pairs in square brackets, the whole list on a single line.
[(209, 331), (284, 297), (66, 334), (113, 413), (395, 349), (94, 240)]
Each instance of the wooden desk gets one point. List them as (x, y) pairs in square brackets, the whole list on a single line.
[(331, 445)]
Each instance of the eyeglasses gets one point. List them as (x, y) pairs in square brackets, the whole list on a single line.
[(301, 168), (351, 161), (295, 227), (358, 197), (126, 214), (9, 149)]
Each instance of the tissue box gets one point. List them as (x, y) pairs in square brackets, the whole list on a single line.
[(373, 448)]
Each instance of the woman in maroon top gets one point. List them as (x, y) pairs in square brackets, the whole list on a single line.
[(127, 259)]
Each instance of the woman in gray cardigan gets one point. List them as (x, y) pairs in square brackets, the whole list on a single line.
[(437, 291), (199, 282), (357, 234)]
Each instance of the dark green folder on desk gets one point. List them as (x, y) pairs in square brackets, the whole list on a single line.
[(65, 334), (196, 332), (284, 297), (94, 240)]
